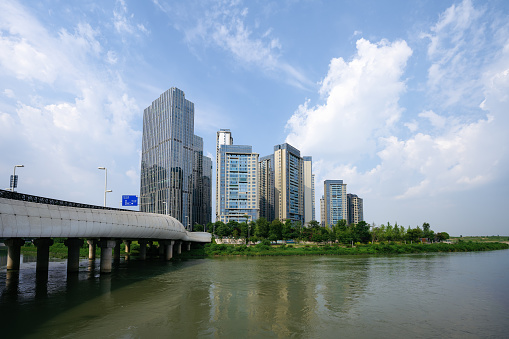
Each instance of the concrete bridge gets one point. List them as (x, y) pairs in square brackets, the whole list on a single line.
[(25, 217)]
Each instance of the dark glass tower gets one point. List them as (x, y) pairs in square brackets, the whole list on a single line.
[(167, 160)]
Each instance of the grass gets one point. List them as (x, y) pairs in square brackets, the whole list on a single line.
[(59, 250), (212, 250)]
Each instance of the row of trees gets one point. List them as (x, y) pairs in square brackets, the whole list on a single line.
[(341, 232)]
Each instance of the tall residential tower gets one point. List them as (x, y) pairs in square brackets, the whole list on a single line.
[(335, 202), (237, 181)]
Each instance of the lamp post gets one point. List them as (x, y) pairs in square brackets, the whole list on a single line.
[(106, 190), (13, 185), (247, 224), (165, 207)]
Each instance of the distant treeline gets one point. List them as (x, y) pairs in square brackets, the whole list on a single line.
[(341, 232), (264, 248)]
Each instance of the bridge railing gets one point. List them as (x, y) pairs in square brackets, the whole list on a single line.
[(50, 201)]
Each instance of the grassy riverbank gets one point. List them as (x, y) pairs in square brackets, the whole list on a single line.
[(59, 250), (212, 250)]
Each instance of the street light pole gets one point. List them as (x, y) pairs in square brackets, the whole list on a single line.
[(14, 176), (106, 190)]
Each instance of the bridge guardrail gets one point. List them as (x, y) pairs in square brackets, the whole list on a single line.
[(50, 201)]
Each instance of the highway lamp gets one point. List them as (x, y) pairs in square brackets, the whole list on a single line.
[(165, 207), (106, 190), (14, 181)]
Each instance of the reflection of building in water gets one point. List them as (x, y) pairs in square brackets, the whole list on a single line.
[(292, 297)]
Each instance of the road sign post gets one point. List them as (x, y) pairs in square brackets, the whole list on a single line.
[(129, 200)]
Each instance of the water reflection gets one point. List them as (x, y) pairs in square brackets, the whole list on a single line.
[(418, 296)]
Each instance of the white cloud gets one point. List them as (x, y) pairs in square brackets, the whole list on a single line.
[(224, 25), (436, 120), (9, 93), (124, 22), (87, 119), (353, 134), (361, 103)]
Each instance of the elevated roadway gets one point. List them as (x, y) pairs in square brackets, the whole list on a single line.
[(26, 217)]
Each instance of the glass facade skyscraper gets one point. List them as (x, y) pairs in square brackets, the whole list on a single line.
[(335, 201), (171, 160)]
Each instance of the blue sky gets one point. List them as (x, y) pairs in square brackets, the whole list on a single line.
[(407, 102)]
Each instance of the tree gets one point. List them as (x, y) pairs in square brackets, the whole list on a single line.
[(314, 224), (221, 229), (210, 227), (441, 236), (198, 228), (275, 230), (262, 228), (361, 232), (287, 231), (414, 234)]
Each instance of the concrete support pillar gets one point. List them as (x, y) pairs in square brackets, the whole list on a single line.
[(116, 251), (127, 246), (178, 245), (43, 245), (73, 254), (143, 249), (168, 246), (188, 246), (106, 256), (13, 252), (91, 248)]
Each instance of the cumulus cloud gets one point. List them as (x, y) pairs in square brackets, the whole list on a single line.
[(460, 145), (87, 119), (361, 103)]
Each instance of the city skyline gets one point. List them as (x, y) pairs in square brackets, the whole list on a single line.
[(403, 101)]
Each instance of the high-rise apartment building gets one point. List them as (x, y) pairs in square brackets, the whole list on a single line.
[(237, 173), (335, 201), (266, 187), (288, 183), (223, 137), (322, 211), (355, 209), (308, 189), (171, 161)]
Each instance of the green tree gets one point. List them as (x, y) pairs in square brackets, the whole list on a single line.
[(221, 229), (361, 232), (275, 230), (441, 236), (198, 228), (262, 228), (414, 234), (210, 227), (288, 230)]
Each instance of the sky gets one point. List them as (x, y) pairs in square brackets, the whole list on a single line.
[(406, 101)]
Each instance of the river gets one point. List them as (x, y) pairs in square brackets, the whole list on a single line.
[(450, 295)]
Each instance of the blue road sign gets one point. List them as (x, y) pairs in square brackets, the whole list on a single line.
[(129, 200), (14, 181)]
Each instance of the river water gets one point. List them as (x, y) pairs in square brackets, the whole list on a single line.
[(453, 295)]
